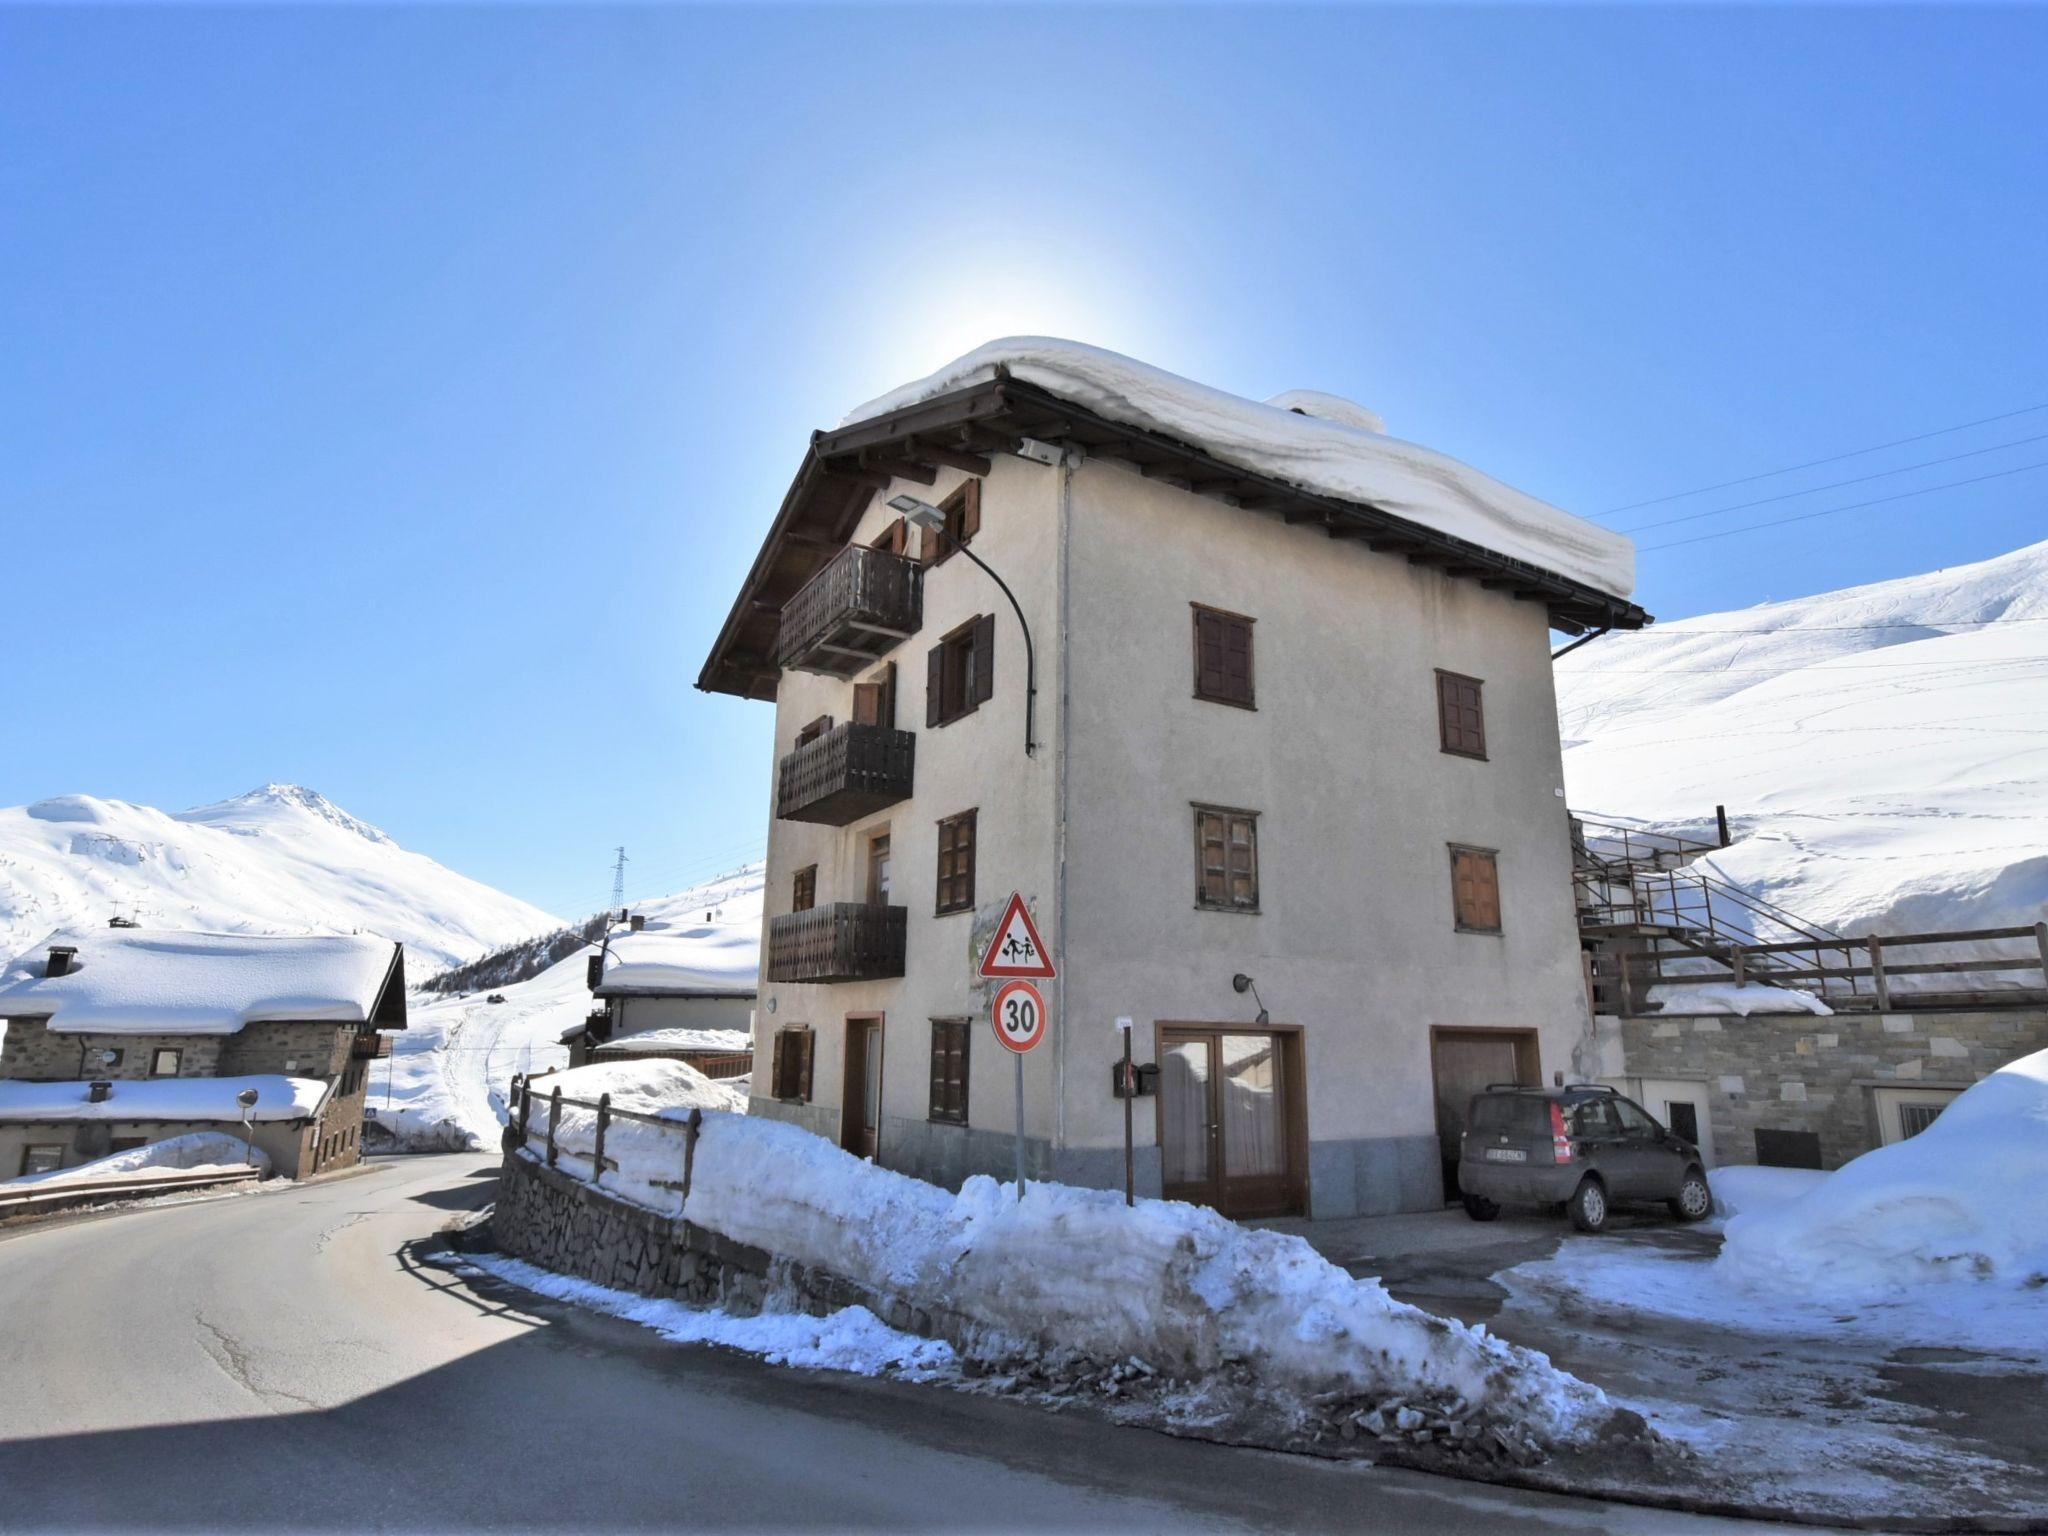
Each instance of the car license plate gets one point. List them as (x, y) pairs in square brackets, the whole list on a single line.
[(1506, 1155)]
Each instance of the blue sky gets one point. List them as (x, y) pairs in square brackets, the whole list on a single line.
[(391, 399)]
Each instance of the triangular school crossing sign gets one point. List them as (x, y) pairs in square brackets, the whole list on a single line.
[(1016, 949)]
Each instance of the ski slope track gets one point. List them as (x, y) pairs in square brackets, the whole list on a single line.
[(280, 859), (1882, 750)]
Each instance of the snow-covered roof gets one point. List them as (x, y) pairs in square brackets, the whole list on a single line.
[(717, 959), (142, 981), (1318, 442), (678, 1040), (163, 1098)]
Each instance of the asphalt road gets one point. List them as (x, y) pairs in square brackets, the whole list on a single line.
[(284, 1360)]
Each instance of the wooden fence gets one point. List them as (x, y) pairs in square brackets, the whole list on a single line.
[(522, 1115)]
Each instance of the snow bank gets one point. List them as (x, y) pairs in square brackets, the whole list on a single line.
[(1741, 1189), (726, 1040), (1965, 1200), (1071, 1271), (1725, 997), (1322, 449), (163, 1098), (195, 1152), (135, 981), (649, 1157)]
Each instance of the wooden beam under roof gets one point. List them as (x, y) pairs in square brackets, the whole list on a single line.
[(951, 457), (897, 468)]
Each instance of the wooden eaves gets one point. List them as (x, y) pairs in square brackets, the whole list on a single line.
[(842, 470)]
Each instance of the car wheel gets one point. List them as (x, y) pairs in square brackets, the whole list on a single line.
[(1588, 1206), (1695, 1201), (1479, 1208)]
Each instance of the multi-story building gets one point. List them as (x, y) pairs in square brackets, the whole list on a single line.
[(1276, 769), (120, 1037)]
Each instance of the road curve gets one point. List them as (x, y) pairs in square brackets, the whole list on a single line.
[(282, 1359)]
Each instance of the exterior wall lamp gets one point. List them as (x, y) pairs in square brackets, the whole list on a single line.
[(933, 522), (1242, 983)]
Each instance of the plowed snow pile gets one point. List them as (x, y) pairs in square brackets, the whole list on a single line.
[(1964, 1201)]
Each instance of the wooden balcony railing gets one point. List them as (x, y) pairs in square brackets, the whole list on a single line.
[(852, 612), (369, 1047), (840, 941), (849, 772)]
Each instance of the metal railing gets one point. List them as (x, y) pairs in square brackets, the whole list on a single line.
[(840, 941), (851, 771), (50, 1196), (859, 605), (1866, 972)]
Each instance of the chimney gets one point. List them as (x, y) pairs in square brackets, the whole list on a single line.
[(61, 956), (99, 1091), (639, 921)]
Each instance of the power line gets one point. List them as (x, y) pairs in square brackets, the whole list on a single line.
[(1801, 517), (1836, 485), (1855, 453)]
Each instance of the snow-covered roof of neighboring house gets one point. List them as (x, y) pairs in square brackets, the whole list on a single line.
[(1310, 457), (163, 1098), (678, 959), (724, 1041), (145, 981)]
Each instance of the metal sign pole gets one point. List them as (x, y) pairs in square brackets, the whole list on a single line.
[(1020, 1124), (1130, 1092)]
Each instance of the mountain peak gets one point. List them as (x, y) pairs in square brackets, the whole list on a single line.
[(291, 797)]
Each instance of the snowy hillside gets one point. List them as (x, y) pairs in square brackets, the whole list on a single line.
[(1882, 751), (280, 859), (445, 1083)]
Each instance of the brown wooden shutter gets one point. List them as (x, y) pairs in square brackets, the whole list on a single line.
[(778, 1075), (970, 509), (885, 708), (1212, 876), (804, 1043), (1208, 655), (1461, 722), (1223, 656), (1475, 889), (1243, 861), (867, 703), (984, 658), (934, 684)]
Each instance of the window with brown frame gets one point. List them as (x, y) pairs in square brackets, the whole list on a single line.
[(1461, 723), (894, 539), (963, 521), (874, 701), (949, 1070), (956, 864), (1475, 889), (1226, 859), (814, 730), (789, 1072), (803, 889), (960, 672), (46, 1157), (1223, 657)]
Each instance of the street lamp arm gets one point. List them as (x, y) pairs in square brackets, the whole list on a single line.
[(1030, 656)]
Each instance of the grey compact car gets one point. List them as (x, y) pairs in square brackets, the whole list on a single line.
[(1584, 1148)]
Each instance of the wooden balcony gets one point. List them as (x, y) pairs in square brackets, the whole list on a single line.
[(849, 772), (840, 941), (365, 1047), (851, 613)]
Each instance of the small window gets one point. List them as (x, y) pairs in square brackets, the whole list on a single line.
[(789, 1072), (164, 1061), (814, 730), (1226, 859), (960, 672), (1915, 1118), (894, 539), (1475, 890), (956, 863), (44, 1159), (949, 1071), (879, 883), (1461, 724), (1683, 1116), (803, 889), (963, 522), (1223, 657), (874, 701)]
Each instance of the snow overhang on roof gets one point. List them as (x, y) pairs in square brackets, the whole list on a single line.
[(1316, 469), (156, 982), (207, 1099), (706, 960)]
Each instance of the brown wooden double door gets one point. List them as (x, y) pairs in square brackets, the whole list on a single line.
[(1232, 1128), (1465, 1062)]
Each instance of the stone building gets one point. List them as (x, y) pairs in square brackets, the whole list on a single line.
[(120, 1037), (1251, 702), (673, 989)]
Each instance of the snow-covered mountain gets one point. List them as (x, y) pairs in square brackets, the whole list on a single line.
[(444, 1085), (1882, 750), (280, 859)]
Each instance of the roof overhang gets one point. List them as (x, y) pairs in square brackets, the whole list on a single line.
[(842, 469)]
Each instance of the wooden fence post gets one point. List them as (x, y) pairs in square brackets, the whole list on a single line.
[(2041, 939), (525, 1109), (554, 1115), (1738, 962), (691, 1127), (1878, 981), (1721, 823), (604, 1115)]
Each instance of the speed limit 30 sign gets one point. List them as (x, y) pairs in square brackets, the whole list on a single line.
[(1018, 1014)]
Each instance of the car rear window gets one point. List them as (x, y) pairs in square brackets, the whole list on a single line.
[(1505, 1112)]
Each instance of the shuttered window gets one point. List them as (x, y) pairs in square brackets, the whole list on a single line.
[(874, 701), (949, 1070), (960, 672), (1461, 724), (803, 889), (1223, 657), (956, 863), (1226, 859), (1475, 889), (814, 730), (789, 1073), (894, 539), (963, 522)]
